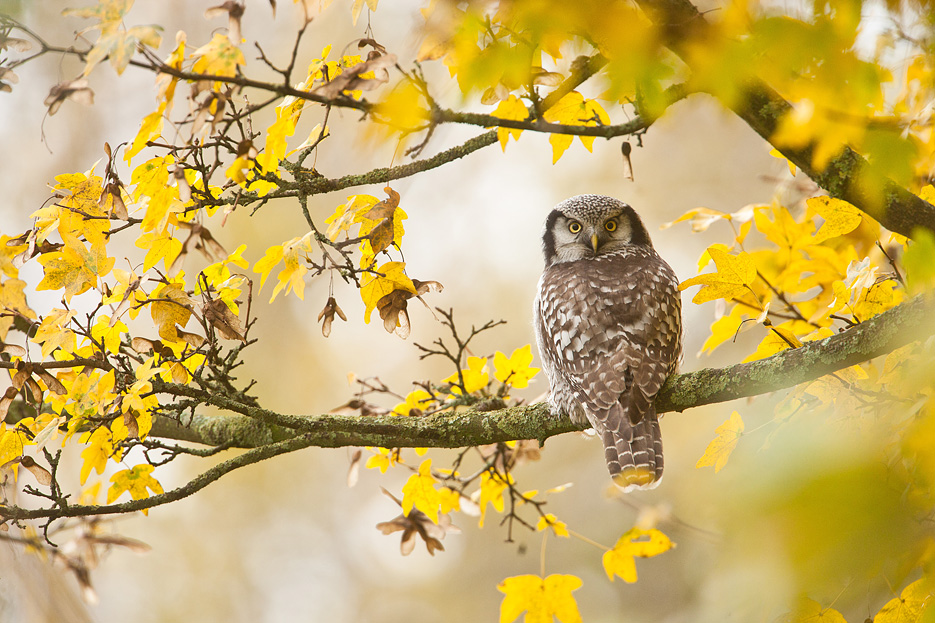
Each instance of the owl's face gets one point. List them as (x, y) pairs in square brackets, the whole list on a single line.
[(588, 226)]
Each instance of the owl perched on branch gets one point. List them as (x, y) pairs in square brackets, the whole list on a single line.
[(609, 329)]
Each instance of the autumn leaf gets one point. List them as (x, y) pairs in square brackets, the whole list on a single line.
[(218, 57), (550, 521), (733, 277), (513, 109), (541, 599), (840, 217), (138, 481), (515, 370), (377, 292), (573, 109), (414, 404), (75, 268), (718, 451), (100, 449), (909, 606), (810, 611), (475, 376), (53, 332), (420, 492), (492, 486), (635, 543)]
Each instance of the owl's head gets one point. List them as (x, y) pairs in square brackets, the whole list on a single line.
[(588, 226)]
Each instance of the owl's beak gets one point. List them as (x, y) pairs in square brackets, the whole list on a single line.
[(594, 243)]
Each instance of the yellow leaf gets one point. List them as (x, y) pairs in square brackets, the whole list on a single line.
[(515, 370), (74, 268), (550, 521), (541, 599), (292, 276), (391, 277), (909, 606), (12, 299), (420, 492), (810, 611), (723, 329), (218, 57), (150, 128), (635, 542), (718, 451), (840, 217), (100, 449), (53, 333), (106, 335), (269, 260), (573, 109), (513, 109), (160, 246), (137, 480), (171, 307), (416, 402), (475, 376), (733, 277), (492, 487)]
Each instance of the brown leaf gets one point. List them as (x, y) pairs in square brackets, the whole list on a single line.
[(350, 80), (125, 302), (219, 315), (392, 308), (77, 90), (14, 44), (51, 382), (144, 346), (327, 313), (129, 420), (194, 340), (12, 350), (424, 287)]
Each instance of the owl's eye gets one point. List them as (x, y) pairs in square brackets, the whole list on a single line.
[(610, 225), (574, 227)]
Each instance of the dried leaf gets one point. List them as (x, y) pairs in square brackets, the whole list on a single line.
[(224, 321), (77, 90), (350, 80), (42, 475)]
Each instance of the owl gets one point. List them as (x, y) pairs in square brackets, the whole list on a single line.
[(609, 329)]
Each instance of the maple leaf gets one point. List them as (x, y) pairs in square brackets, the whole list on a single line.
[(540, 598), (420, 492), (377, 292), (475, 376), (265, 265), (414, 405), (107, 333), (810, 611), (733, 277), (550, 521), (840, 217), (515, 370), (416, 523), (513, 109), (909, 606), (917, 260), (635, 543), (75, 268), (171, 307), (718, 451), (492, 486), (12, 302), (573, 109), (137, 480), (53, 333), (100, 449), (218, 57)]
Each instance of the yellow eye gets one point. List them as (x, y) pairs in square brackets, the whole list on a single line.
[(610, 225), (574, 227)]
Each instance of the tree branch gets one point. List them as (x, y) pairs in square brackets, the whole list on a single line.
[(882, 334), (848, 176)]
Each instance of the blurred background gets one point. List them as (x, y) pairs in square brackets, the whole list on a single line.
[(288, 539)]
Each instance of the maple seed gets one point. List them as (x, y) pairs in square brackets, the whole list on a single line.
[(327, 313)]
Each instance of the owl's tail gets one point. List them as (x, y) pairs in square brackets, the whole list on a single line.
[(634, 454)]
